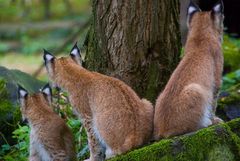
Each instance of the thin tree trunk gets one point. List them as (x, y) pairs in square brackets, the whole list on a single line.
[(137, 41)]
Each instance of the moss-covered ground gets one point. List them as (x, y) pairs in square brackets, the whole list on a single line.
[(216, 143)]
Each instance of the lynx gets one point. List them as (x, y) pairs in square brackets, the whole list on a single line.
[(50, 138), (188, 101), (115, 118)]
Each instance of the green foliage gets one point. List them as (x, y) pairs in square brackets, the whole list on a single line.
[(231, 50), (80, 138), (231, 79), (64, 109), (34, 10), (5, 106), (18, 151), (26, 29), (3, 47)]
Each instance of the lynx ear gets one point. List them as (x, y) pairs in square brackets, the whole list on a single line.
[(47, 56), (218, 7), (48, 60), (22, 95), (217, 14), (192, 9), (76, 54), (47, 93)]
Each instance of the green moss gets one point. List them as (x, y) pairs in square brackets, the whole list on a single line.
[(205, 144), (5, 105), (158, 151), (220, 153)]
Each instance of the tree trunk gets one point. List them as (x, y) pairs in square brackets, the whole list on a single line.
[(137, 41)]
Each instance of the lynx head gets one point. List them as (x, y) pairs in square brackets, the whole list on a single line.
[(213, 19), (53, 64), (29, 104)]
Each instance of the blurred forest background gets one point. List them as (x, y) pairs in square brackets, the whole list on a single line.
[(28, 26)]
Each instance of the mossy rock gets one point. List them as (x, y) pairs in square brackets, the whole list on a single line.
[(9, 113), (217, 143), (14, 77)]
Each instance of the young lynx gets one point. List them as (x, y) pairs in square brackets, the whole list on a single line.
[(115, 118), (188, 101), (50, 138)]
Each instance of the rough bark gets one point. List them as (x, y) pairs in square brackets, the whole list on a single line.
[(137, 41)]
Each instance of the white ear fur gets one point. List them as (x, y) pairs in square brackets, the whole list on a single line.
[(217, 8), (22, 93), (47, 91), (47, 56), (76, 54), (48, 59), (192, 9)]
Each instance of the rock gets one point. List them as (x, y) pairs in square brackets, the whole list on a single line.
[(9, 111), (220, 142), (233, 110), (14, 77), (229, 103)]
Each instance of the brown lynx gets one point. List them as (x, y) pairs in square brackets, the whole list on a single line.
[(50, 138), (115, 118), (188, 101)]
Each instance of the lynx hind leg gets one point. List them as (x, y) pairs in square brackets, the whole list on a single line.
[(201, 98), (97, 151), (216, 120), (194, 113), (34, 158), (129, 143), (109, 153)]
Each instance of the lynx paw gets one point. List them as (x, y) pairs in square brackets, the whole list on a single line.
[(216, 120), (87, 159), (109, 153)]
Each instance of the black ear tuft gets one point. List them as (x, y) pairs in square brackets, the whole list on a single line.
[(22, 93), (47, 56), (218, 7)]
